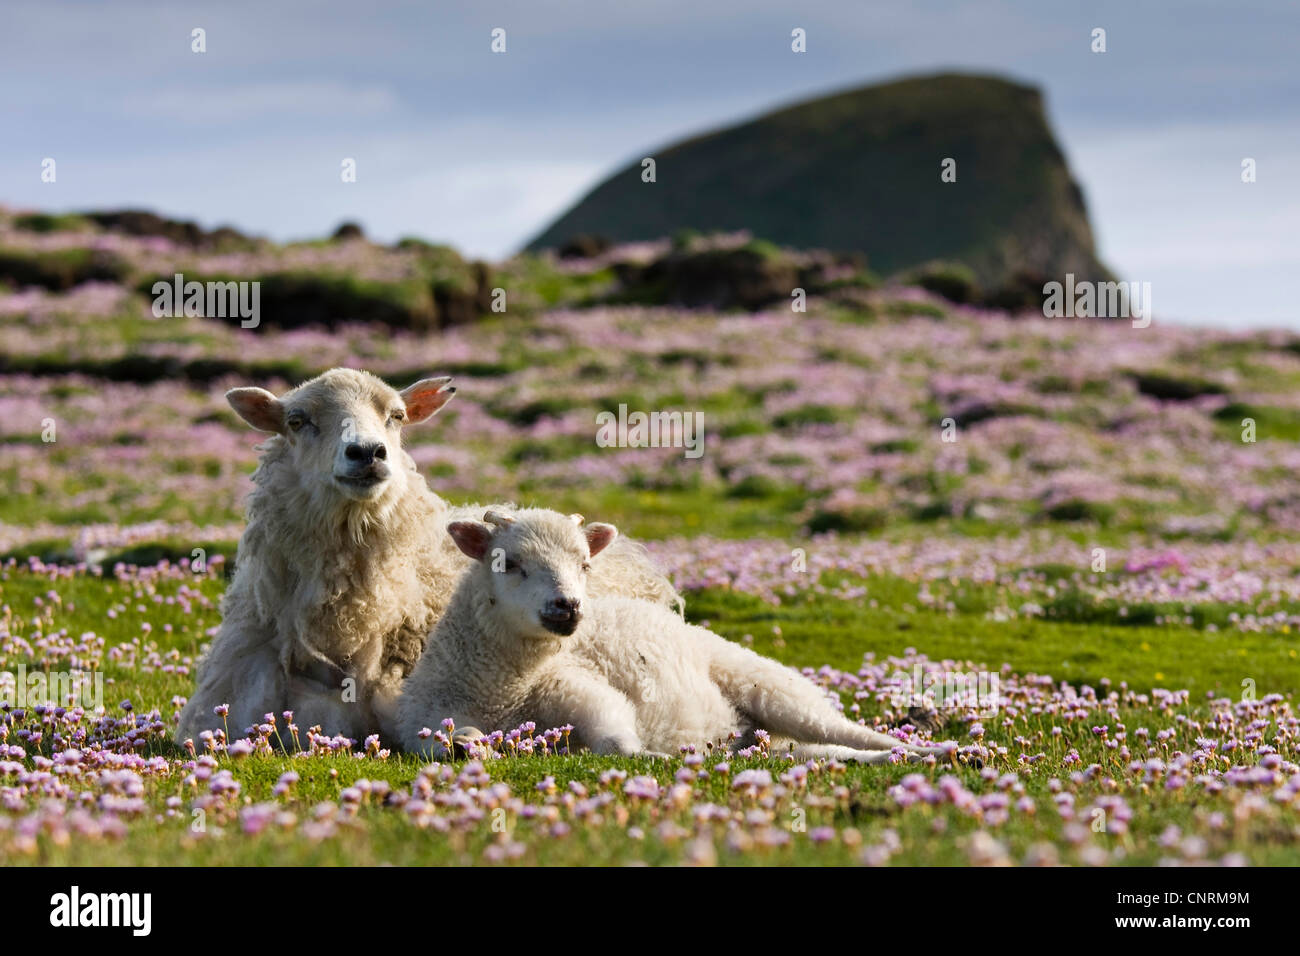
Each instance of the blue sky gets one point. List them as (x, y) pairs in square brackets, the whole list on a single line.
[(457, 144)]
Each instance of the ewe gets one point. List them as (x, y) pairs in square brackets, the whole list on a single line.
[(521, 641), (344, 566)]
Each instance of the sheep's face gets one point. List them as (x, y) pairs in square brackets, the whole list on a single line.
[(342, 429), (535, 565)]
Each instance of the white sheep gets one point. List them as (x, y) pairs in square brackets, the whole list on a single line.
[(521, 640), (344, 566)]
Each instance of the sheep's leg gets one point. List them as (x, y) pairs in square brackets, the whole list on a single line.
[(787, 704), (242, 670), (335, 709), (845, 754), (604, 719), (385, 698)]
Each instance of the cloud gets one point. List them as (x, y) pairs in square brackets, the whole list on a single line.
[(250, 101), (481, 150)]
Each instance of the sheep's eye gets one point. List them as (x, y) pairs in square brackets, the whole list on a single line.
[(396, 416), (513, 566), (296, 420), (586, 566)]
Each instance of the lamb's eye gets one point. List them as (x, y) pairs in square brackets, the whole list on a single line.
[(396, 416), (513, 566), (586, 566), (296, 420)]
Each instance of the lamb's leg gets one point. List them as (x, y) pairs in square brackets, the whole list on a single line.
[(463, 738), (787, 704), (604, 719), (846, 754)]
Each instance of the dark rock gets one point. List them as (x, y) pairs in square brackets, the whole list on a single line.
[(348, 230), (715, 278), (141, 222), (1170, 388), (60, 270), (952, 280), (1021, 292), (584, 247), (461, 300), (860, 170)]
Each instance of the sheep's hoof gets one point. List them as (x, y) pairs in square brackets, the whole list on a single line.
[(465, 738), (925, 719), (965, 760)]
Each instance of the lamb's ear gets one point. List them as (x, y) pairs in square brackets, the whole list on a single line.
[(258, 407), (471, 537), (600, 536), (425, 397)]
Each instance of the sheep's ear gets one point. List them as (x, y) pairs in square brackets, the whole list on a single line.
[(425, 397), (258, 407), (471, 537), (600, 536)]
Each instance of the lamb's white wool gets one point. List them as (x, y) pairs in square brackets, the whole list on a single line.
[(344, 566), (522, 640)]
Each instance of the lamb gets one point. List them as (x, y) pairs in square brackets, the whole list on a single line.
[(522, 640), (343, 567)]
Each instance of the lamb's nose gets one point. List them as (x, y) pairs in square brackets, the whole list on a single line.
[(563, 607), (365, 453)]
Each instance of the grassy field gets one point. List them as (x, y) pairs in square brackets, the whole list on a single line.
[(1104, 534), (1106, 769)]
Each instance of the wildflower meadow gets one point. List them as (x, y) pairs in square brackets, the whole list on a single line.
[(1118, 567), (944, 354)]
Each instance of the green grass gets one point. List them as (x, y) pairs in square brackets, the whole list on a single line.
[(665, 512), (813, 631), (817, 630), (1276, 424)]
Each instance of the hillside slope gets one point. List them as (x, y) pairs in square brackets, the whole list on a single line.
[(860, 171)]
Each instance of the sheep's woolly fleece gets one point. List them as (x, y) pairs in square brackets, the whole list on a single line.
[(327, 588), (627, 676)]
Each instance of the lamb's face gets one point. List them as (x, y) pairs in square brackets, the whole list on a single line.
[(535, 565), (342, 429)]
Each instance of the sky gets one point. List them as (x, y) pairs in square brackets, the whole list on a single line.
[(457, 144)]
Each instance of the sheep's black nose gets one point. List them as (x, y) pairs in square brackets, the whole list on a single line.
[(366, 453), (561, 616), (563, 609)]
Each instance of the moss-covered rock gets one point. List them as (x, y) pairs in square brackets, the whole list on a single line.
[(61, 269)]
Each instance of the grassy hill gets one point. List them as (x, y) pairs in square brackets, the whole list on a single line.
[(1113, 533), (860, 171)]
